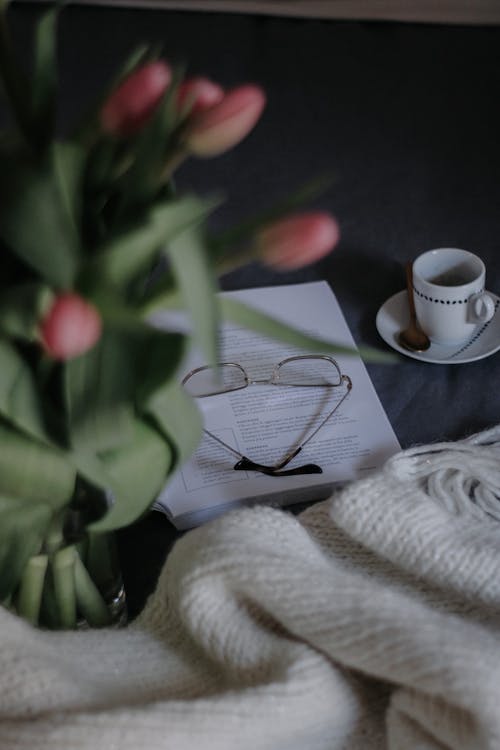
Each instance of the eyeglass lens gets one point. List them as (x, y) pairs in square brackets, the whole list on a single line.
[(310, 372), (295, 371), (209, 381)]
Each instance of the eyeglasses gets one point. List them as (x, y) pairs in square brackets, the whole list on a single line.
[(301, 371)]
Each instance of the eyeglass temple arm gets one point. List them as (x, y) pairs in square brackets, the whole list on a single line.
[(348, 382), (245, 464)]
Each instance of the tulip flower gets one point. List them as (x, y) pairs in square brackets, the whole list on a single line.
[(220, 127), (131, 105), (198, 94), (71, 327), (297, 240)]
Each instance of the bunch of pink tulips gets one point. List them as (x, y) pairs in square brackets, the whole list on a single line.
[(214, 120)]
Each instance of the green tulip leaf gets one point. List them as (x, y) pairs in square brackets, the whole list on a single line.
[(178, 417), (21, 308), (68, 164), (124, 256), (248, 317), (190, 266), (14, 81), (158, 359), (20, 402), (99, 391), (134, 474), (142, 54), (37, 214), (45, 75), (33, 472), (22, 529)]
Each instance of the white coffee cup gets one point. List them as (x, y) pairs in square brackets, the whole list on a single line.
[(450, 300)]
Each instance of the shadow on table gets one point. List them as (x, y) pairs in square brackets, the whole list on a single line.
[(143, 549)]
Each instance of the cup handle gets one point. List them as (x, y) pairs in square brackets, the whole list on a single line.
[(481, 308)]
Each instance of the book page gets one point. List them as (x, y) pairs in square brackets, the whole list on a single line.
[(264, 422)]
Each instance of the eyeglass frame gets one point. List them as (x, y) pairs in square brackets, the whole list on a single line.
[(246, 464)]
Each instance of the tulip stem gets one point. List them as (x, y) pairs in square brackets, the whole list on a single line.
[(63, 568), (164, 296), (31, 588), (229, 262), (90, 602), (172, 163), (54, 538)]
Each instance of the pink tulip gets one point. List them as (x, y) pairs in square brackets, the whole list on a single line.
[(71, 327), (219, 128), (198, 94), (132, 104), (298, 240)]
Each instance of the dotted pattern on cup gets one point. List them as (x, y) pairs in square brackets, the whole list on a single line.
[(476, 336), (446, 301)]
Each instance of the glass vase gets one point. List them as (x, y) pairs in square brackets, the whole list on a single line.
[(73, 585)]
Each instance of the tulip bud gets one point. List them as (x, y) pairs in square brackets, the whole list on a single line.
[(71, 327), (219, 128), (198, 94), (131, 105), (298, 240)]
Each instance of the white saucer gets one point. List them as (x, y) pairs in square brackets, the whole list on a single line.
[(393, 316)]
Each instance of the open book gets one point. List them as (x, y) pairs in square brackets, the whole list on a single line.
[(264, 422)]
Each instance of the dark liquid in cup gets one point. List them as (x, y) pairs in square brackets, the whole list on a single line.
[(452, 278)]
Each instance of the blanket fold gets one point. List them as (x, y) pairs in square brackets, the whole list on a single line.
[(370, 621)]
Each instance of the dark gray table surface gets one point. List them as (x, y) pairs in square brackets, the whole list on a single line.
[(406, 116)]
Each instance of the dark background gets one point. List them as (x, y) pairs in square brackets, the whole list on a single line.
[(407, 118)]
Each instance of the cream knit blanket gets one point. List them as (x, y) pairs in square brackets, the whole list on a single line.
[(370, 621)]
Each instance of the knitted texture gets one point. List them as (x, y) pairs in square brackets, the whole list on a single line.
[(369, 622)]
